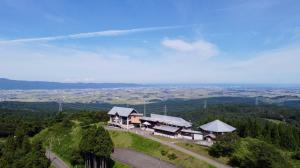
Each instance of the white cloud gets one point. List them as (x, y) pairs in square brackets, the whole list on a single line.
[(61, 63), (272, 66), (89, 34), (198, 48)]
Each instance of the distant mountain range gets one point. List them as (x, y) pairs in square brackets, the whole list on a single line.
[(7, 84)]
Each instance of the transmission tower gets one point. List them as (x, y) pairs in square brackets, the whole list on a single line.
[(144, 108), (205, 104), (256, 101), (60, 104)]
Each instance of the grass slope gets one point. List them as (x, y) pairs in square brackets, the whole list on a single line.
[(201, 150), (155, 149), (64, 141)]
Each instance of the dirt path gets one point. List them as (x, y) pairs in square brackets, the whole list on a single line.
[(139, 160), (188, 152)]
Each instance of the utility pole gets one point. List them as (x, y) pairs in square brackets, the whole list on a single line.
[(59, 106), (144, 108), (256, 101), (205, 106)]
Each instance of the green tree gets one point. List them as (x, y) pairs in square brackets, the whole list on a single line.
[(96, 147), (287, 139), (224, 145), (19, 152), (257, 154), (76, 158)]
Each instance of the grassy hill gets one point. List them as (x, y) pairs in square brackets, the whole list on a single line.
[(155, 149), (64, 140)]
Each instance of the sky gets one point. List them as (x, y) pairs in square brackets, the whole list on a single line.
[(151, 41)]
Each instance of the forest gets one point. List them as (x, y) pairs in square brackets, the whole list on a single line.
[(273, 127), (18, 151), (18, 126)]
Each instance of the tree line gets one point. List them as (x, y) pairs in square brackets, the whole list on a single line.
[(266, 123), (282, 135), (249, 152), (18, 151)]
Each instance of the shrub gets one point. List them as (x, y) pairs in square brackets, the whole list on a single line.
[(224, 146), (66, 123), (76, 158), (172, 156), (296, 155), (217, 150), (189, 145), (163, 152)]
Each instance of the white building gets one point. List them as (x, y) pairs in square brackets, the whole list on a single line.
[(218, 127), (171, 127), (168, 126), (124, 117), (212, 129)]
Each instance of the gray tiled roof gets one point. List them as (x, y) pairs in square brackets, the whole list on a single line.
[(171, 120), (191, 131), (122, 111), (148, 119), (217, 126), (166, 128)]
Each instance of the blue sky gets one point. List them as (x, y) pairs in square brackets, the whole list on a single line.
[(158, 41)]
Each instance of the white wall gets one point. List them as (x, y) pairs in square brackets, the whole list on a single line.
[(160, 134), (187, 137), (198, 137)]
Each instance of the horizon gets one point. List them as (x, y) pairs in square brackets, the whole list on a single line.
[(170, 84), (152, 42)]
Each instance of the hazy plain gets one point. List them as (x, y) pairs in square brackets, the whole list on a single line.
[(142, 95)]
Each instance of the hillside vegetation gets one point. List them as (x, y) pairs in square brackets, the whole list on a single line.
[(153, 148), (64, 138), (274, 125), (17, 151), (65, 141)]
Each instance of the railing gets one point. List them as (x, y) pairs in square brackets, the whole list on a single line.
[(121, 125)]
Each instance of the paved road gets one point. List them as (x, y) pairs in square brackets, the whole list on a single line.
[(139, 160), (55, 160), (130, 157), (195, 155)]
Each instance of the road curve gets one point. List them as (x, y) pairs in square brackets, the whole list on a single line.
[(130, 157), (139, 160), (181, 149), (55, 160)]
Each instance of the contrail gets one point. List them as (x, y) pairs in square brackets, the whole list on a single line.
[(90, 34)]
